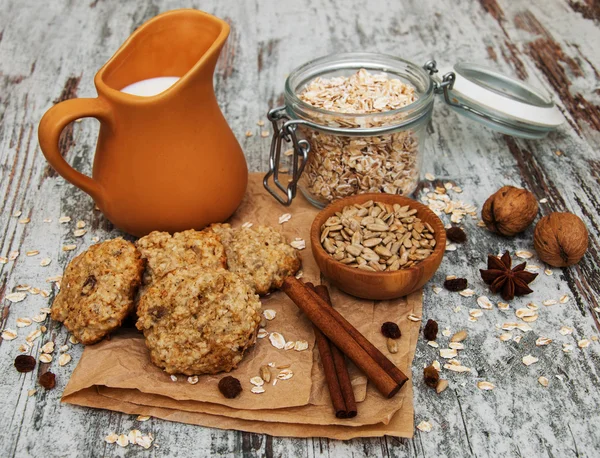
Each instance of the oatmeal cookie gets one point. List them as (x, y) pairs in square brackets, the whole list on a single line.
[(260, 255), (98, 288), (165, 253), (198, 321)]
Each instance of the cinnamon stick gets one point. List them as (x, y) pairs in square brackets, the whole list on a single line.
[(339, 361), (329, 367), (373, 351), (319, 313)]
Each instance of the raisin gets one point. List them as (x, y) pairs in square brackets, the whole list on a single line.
[(390, 330), (431, 330), (24, 363), (230, 387), (456, 284), (88, 285), (48, 380), (456, 235), (431, 376)]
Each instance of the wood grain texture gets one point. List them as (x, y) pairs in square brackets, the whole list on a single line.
[(50, 51)]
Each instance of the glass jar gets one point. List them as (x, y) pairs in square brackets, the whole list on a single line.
[(337, 154)]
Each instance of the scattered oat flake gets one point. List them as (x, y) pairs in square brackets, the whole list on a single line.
[(564, 299), (446, 332), (80, 224), (79, 232), (13, 255), (24, 221), (299, 244), (23, 322), (517, 339), (32, 253), (475, 313), (269, 314), (456, 345), (111, 438), (285, 374), (548, 271), (45, 358), (414, 318), (433, 343), (47, 220), (16, 297), (424, 426), (31, 392), (45, 310), (23, 348), (64, 219), (524, 254), (542, 341), (301, 345), (17, 213), (485, 303), (565, 330), (532, 268), (9, 334), (262, 333), (448, 353), (260, 123), (64, 348), (48, 347), (3, 260), (264, 133), (503, 306), (429, 177), (543, 381), (257, 389), (46, 293), (73, 340), (505, 336), (451, 247), (249, 133), (277, 340), (544, 200), (145, 442), (485, 386), (289, 345), (69, 247), (467, 292), (529, 360), (583, 343), (45, 262), (594, 338), (143, 417), (285, 218), (436, 289), (550, 302), (95, 239), (257, 381), (567, 348), (174, 378), (123, 440), (64, 359)]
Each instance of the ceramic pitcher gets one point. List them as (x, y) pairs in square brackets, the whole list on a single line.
[(167, 162)]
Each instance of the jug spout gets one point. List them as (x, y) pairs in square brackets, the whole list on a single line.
[(185, 43)]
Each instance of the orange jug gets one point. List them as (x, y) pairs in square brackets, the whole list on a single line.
[(165, 162)]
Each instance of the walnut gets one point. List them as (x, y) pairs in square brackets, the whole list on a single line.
[(560, 239), (509, 210)]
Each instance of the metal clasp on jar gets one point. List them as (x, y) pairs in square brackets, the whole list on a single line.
[(284, 128)]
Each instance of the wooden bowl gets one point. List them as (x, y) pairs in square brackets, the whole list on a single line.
[(378, 285)]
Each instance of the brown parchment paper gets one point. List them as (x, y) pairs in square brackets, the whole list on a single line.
[(118, 374)]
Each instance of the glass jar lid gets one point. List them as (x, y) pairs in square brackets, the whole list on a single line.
[(502, 103)]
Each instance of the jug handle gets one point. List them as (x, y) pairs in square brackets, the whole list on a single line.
[(51, 126)]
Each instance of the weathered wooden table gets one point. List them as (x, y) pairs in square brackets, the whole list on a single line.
[(50, 51)]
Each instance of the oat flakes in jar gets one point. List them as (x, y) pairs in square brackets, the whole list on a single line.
[(355, 123)]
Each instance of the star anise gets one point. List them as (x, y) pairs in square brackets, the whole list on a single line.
[(509, 282)]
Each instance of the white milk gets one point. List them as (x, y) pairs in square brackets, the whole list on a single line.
[(151, 86)]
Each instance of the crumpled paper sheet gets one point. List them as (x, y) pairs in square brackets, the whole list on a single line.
[(118, 375)]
